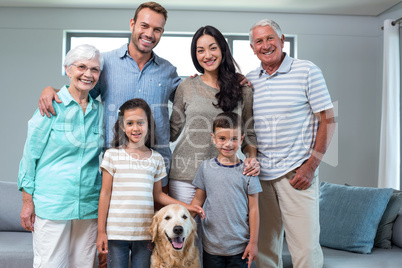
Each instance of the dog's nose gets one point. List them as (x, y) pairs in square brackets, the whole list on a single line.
[(178, 230)]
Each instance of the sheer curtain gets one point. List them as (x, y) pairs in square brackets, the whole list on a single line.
[(389, 166)]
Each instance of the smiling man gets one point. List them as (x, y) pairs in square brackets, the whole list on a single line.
[(294, 124), (147, 28), (135, 71)]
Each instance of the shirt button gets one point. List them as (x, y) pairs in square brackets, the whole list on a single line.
[(139, 90), (79, 168)]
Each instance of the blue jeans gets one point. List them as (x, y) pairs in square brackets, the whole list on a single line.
[(216, 261), (119, 254)]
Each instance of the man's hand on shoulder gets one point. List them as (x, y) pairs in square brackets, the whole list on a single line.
[(46, 101), (251, 167)]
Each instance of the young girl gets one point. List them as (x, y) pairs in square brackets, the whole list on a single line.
[(132, 173)]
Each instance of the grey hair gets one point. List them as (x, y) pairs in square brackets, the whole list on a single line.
[(265, 22), (83, 52)]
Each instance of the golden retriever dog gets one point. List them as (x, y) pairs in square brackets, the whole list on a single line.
[(174, 232)]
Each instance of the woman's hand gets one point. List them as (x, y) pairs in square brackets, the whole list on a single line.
[(252, 167), (46, 101), (196, 209), (27, 212)]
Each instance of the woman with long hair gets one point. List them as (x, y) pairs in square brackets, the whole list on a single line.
[(198, 101)]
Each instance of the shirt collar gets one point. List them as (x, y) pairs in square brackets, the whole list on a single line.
[(228, 166), (156, 58), (65, 95), (67, 99), (123, 52), (283, 68)]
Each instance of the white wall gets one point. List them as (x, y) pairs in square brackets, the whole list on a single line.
[(347, 48)]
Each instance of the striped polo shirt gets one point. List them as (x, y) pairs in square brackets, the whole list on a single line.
[(131, 204), (284, 107)]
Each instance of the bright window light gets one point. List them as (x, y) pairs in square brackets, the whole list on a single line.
[(175, 47), (104, 44)]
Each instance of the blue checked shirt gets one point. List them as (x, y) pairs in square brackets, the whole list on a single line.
[(122, 80), (60, 163)]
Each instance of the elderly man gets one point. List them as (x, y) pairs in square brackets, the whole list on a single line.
[(294, 124)]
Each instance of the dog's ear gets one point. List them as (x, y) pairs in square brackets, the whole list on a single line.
[(191, 238), (154, 227)]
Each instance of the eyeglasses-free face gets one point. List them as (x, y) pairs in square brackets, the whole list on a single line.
[(268, 47)]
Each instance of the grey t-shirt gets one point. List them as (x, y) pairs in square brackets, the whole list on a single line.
[(225, 229)]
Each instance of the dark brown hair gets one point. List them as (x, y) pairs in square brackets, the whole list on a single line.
[(230, 90), (119, 137), (153, 6), (228, 120)]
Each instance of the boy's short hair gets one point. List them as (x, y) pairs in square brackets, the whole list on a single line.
[(228, 120)]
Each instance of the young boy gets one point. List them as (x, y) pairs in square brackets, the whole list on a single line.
[(229, 198)]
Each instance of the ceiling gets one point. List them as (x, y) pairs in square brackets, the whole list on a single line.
[(336, 7)]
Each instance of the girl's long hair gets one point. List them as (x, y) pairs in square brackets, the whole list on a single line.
[(230, 93), (119, 136)]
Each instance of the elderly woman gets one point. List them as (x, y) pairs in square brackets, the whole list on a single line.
[(59, 171)]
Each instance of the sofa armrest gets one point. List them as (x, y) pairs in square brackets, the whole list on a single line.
[(10, 207)]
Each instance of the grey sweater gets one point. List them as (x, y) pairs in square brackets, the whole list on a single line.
[(192, 116)]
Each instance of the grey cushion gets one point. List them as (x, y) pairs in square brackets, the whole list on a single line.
[(397, 232), (10, 207), (349, 216), (384, 231)]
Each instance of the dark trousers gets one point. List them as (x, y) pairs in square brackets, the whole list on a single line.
[(216, 261)]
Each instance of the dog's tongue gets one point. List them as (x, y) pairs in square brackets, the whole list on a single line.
[(178, 242)]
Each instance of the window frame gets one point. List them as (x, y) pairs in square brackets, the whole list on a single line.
[(230, 37)]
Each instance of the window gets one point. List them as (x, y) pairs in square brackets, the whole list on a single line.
[(244, 55), (175, 47), (101, 40)]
